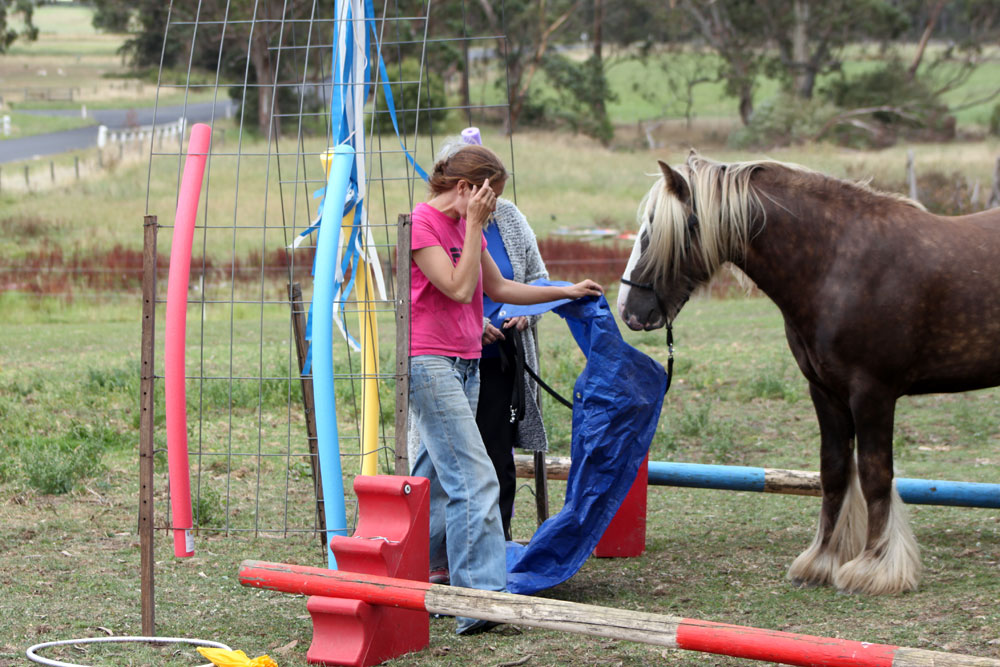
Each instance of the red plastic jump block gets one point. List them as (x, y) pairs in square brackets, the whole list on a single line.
[(625, 536), (391, 539)]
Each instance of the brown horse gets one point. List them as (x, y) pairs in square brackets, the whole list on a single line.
[(880, 298)]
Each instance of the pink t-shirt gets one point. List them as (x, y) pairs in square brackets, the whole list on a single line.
[(439, 324)]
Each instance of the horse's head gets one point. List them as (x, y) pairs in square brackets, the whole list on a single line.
[(666, 264)]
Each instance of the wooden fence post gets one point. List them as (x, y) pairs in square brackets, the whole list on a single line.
[(146, 407), (403, 232), (301, 349)]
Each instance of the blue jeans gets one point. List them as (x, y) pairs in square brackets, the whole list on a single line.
[(465, 530)]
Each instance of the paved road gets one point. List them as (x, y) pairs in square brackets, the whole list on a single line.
[(26, 148)]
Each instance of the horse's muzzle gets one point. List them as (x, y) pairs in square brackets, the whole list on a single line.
[(653, 320)]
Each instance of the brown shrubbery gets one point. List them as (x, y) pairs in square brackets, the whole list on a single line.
[(52, 270)]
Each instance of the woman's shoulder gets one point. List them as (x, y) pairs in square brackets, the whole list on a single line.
[(424, 210), (426, 215)]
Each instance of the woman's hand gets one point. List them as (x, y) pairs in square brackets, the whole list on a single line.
[(520, 323), (584, 288), (482, 203), (491, 334)]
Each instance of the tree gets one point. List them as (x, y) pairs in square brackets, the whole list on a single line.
[(112, 15), (215, 35), (735, 30), (526, 30), (581, 89), (8, 8), (151, 45), (810, 35), (920, 100), (793, 40)]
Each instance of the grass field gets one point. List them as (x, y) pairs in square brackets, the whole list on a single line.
[(68, 53), (559, 181), (26, 125), (72, 64), (72, 558)]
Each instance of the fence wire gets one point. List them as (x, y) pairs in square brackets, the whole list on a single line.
[(252, 463)]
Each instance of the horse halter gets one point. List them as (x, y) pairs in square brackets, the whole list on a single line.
[(692, 224), (647, 286)]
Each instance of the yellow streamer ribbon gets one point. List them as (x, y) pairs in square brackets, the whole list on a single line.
[(223, 658)]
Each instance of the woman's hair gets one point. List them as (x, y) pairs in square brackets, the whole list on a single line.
[(466, 163)]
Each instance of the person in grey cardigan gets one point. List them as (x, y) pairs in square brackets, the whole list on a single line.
[(512, 245)]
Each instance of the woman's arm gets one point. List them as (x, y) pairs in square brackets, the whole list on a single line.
[(458, 281), (502, 290), (454, 280)]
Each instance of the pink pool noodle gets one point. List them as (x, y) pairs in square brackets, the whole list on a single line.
[(173, 356)]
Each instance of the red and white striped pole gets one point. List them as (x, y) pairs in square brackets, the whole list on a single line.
[(663, 630)]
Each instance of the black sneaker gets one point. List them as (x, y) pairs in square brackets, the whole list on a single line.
[(439, 577), (479, 627)]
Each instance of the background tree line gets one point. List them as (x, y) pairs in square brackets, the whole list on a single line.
[(735, 43)]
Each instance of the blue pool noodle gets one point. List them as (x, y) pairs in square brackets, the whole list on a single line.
[(322, 347), (736, 478)]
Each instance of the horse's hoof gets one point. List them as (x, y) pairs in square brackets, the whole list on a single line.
[(813, 567), (869, 575)]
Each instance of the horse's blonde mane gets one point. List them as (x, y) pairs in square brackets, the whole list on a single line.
[(728, 209), (725, 205)]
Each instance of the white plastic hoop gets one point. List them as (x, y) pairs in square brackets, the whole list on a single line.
[(96, 640)]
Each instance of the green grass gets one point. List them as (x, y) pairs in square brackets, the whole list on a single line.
[(70, 381), (69, 56), (26, 125), (61, 18)]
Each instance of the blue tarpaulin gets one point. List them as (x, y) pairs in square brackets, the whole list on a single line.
[(616, 406)]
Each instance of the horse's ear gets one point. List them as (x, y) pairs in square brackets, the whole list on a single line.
[(675, 182)]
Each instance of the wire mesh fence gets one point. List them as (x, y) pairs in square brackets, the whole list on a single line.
[(252, 452)]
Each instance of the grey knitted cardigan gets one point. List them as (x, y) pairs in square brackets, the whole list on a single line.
[(526, 262)]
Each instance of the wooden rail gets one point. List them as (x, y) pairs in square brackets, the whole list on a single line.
[(659, 629)]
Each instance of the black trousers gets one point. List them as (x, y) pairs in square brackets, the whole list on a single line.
[(499, 434)]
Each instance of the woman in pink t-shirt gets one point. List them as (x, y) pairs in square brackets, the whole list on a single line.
[(449, 273)]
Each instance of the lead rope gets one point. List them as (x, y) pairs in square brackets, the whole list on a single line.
[(670, 356), (541, 383)]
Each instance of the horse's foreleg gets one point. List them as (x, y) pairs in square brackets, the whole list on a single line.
[(890, 561), (841, 529)]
